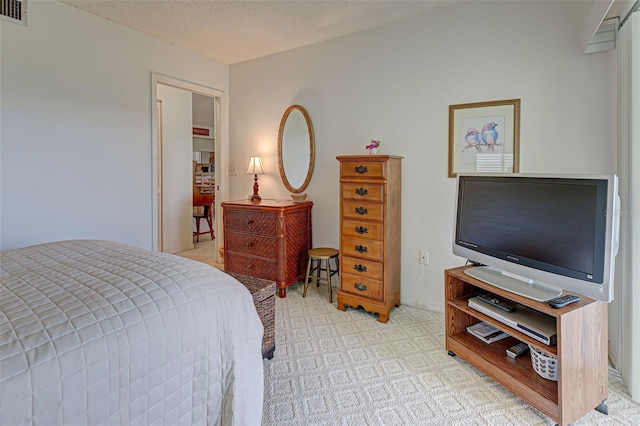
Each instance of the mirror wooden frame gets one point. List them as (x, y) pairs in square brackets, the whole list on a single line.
[(312, 154)]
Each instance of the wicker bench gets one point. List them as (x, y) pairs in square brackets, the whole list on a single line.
[(263, 292)]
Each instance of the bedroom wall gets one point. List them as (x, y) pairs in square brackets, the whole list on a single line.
[(75, 113), (395, 84)]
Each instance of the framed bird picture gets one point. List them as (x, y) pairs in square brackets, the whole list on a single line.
[(484, 137)]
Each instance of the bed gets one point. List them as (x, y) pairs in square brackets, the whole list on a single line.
[(97, 332)]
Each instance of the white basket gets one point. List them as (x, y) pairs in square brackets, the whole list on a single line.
[(544, 364)]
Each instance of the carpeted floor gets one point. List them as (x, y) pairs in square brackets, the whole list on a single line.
[(204, 251), (346, 368)]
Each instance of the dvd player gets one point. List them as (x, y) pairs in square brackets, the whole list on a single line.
[(534, 324)]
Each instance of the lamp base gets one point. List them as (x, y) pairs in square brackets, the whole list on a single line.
[(255, 198)]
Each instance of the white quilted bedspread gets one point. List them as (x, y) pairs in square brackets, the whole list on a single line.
[(95, 332)]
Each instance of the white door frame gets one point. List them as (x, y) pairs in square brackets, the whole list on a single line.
[(221, 150)]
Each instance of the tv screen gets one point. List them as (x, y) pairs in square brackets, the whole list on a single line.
[(551, 232)]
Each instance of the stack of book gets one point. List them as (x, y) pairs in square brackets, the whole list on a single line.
[(486, 332)]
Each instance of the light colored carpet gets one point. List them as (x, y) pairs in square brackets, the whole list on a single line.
[(204, 252), (345, 368)]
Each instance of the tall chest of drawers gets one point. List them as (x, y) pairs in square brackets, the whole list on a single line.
[(370, 211), (269, 240)]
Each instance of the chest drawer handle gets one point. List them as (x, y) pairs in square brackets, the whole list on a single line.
[(361, 230), (361, 169), (360, 268), (360, 286), (250, 244), (250, 222), (361, 249), (249, 266), (362, 211), (361, 192)]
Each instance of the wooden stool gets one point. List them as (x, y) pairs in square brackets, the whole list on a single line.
[(208, 208), (319, 254)]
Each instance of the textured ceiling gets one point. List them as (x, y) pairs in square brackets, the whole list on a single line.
[(236, 31)]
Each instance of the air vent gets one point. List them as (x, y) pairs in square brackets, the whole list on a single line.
[(14, 11)]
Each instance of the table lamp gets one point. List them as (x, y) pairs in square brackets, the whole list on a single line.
[(255, 169)]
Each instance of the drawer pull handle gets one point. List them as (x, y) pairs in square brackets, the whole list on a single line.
[(250, 222), (250, 266), (360, 286), (361, 230), (361, 249), (250, 244), (361, 169), (361, 192), (362, 211), (360, 268)]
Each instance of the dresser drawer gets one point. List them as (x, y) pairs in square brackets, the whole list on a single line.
[(250, 221), (365, 230), (363, 170), (361, 267), (362, 248), (362, 191), (257, 245), (362, 210), (252, 266), (371, 289)]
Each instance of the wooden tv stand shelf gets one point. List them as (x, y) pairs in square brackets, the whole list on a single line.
[(581, 350)]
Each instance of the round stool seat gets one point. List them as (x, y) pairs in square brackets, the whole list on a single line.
[(323, 253)]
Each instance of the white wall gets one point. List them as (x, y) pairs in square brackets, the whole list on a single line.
[(76, 125), (396, 83), (75, 112)]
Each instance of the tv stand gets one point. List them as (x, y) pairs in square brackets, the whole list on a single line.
[(581, 350), (511, 283)]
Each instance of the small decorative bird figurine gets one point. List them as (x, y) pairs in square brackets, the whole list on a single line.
[(490, 135), (472, 138)]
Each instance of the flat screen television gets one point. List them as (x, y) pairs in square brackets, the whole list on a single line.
[(537, 235)]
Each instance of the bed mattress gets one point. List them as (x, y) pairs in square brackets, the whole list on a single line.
[(97, 332)]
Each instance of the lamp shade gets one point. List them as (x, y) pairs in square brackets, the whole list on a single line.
[(255, 166)]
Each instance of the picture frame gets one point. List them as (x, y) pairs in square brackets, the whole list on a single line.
[(202, 132), (484, 137)]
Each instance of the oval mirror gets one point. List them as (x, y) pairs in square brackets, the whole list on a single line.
[(296, 152)]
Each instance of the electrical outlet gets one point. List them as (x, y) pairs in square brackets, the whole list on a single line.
[(233, 170), (424, 257)]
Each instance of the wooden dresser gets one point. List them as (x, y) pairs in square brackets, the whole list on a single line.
[(269, 240), (370, 210)]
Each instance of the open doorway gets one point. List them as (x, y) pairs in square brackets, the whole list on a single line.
[(184, 165)]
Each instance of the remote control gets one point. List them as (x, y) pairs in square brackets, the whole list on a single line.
[(562, 301), (493, 300), (516, 350)]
